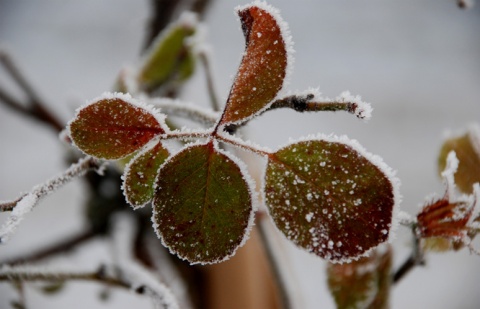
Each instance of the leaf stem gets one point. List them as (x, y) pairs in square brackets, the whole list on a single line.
[(239, 143)]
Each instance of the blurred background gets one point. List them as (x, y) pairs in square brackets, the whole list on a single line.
[(416, 62)]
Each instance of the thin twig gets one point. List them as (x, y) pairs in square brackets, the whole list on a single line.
[(75, 170), (34, 108), (416, 258), (29, 200), (210, 84), (307, 103), (61, 247)]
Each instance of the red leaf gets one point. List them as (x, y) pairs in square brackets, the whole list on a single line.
[(114, 126), (264, 64)]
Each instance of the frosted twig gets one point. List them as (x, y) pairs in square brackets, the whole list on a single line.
[(34, 108), (186, 110), (22, 274), (203, 55), (310, 103), (123, 236), (26, 203)]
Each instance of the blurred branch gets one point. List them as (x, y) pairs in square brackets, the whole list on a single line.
[(416, 258), (60, 247), (35, 107), (19, 274)]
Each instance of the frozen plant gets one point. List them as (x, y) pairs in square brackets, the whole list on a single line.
[(325, 193)]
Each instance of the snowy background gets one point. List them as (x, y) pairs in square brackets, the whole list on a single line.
[(417, 62)]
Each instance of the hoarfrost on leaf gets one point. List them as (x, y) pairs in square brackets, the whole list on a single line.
[(358, 221)]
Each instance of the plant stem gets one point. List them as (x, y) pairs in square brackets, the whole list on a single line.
[(416, 258), (210, 84), (275, 265)]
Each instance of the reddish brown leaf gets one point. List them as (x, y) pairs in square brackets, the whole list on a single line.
[(114, 126), (263, 68), (329, 198)]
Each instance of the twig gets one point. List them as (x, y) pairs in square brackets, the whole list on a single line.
[(29, 200), (34, 108), (417, 258), (308, 103), (60, 247), (210, 84)]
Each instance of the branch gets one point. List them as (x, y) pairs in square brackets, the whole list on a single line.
[(123, 237), (309, 103), (416, 258), (23, 274), (34, 108), (60, 247), (26, 203)]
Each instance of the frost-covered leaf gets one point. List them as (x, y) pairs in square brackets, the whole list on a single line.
[(114, 125), (202, 204), (264, 65), (169, 54), (364, 283), (141, 172), (331, 197), (467, 149)]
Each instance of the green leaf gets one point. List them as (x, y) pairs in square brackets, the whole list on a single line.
[(467, 149), (330, 197), (202, 204), (264, 65), (140, 174), (167, 54), (113, 126), (364, 283)]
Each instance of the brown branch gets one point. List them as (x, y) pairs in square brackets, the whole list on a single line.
[(35, 107), (416, 258), (210, 84), (61, 247)]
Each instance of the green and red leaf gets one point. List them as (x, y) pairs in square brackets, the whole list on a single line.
[(114, 125), (264, 64), (331, 197), (364, 283), (203, 204), (141, 172)]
